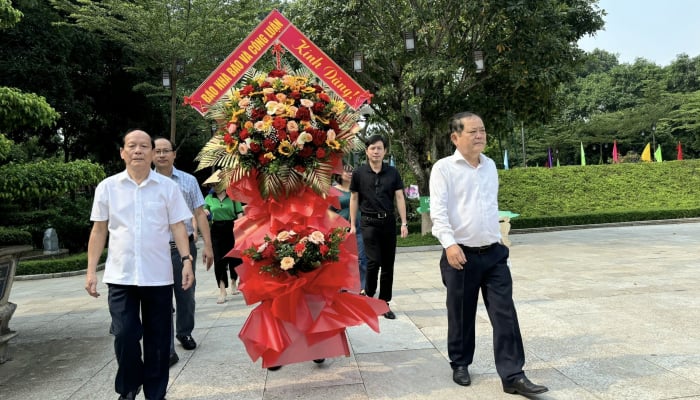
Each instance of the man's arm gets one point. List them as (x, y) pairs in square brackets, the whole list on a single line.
[(401, 207), (353, 211), (96, 245), (183, 247), (203, 224)]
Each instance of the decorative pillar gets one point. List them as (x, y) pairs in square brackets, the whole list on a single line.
[(9, 256)]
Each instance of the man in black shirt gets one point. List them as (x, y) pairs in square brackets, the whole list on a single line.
[(374, 187)]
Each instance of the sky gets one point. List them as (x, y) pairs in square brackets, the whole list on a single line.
[(655, 30)]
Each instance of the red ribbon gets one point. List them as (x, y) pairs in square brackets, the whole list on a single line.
[(300, 317)]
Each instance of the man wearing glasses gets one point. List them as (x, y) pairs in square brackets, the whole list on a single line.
[(164, 161), (374, 188)]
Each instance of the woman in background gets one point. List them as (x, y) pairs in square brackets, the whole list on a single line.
[(342, 183), (222, 211)]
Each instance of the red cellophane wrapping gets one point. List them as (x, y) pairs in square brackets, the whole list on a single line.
[(300, 317)]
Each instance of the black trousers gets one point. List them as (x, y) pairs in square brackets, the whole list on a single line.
[(379, 236), (154, 304), (222, 241), (486, 271)]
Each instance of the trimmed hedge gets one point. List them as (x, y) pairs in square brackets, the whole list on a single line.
[(14, 236), (76, 262), (594, 194)]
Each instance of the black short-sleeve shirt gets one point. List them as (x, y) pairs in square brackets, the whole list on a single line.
[(375, 191)]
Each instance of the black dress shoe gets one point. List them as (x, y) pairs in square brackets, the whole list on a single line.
[(389, 315), (173, 359), (319, 360), (524, 387), (275, 368), (461, 375), (187, 342), (131, 395)]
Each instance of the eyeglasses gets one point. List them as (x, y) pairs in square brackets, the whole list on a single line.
[(164, 151)]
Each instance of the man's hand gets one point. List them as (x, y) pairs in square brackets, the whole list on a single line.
[(404, 231), (455, 257), (208, 256), (91, 285), (187, 275)]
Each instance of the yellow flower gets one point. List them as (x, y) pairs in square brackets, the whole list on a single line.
[(285, 148), (287, 263), (231, 147), (269, 156), (337, 107), (308, 89), (333, 144)]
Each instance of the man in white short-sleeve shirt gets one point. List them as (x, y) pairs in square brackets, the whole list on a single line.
[(138, 209)]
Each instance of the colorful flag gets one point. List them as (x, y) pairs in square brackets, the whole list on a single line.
[(616, 157), (646, 154), (505, 159), (583, 155), (549, 157), (657, 154), (680, 151)]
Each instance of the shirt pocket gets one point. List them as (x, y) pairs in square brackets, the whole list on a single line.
[(155, 213)]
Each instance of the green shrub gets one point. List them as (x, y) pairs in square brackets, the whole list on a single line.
[(76, 262), (14, 236), (601, 193)]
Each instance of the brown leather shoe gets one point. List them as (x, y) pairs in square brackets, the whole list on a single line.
[(524, 387)]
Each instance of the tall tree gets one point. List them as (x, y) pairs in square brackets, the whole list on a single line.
[(185, 39), (528, 49)]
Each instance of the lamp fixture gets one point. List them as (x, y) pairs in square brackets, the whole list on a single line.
[(358, 60), (166, 78), (409, 38), (479, 61)]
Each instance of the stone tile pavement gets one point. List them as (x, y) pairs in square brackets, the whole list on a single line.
[(606, 313)]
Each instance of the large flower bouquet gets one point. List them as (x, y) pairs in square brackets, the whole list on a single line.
[(296, 252), (284, 128), (279, 139)]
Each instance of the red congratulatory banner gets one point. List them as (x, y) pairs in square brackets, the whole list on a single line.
[(323, 67), (239, 61), (276, 27)]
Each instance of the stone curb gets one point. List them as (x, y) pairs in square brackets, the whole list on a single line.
[(54, 275)]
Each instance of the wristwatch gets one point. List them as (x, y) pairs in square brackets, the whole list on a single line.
[(187, 257), (404, 224)]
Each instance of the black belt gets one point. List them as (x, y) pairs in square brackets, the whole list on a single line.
[(173, 246), (380, 215), (480, 249)]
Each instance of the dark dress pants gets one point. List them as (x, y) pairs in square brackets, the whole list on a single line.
[(154, 304), (379, 237), (222, 241), (488, 271)]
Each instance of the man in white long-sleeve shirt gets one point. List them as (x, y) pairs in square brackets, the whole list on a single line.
[(464, 212)]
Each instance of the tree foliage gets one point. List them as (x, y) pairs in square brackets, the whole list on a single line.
[(9, 15), (20, 110), (529, 49), (46, 179), (185, 38)]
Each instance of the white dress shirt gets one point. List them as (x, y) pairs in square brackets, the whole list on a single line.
[(464, 201), (139, 218)]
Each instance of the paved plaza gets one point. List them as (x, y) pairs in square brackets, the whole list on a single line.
[(605, 313)]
